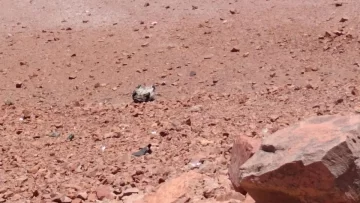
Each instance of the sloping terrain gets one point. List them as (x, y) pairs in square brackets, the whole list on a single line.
[(221, 70)]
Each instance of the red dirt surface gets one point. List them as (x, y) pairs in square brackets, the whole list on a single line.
[(71, 66)]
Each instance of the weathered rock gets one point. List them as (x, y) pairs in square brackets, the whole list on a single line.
[(242, 150), (175, 189), (143, 94), (316, 160)]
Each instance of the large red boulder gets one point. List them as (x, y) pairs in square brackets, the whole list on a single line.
[(316, 160)]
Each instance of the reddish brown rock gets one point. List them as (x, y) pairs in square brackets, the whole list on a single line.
[(242, 150), (104, 192), (316, 160)]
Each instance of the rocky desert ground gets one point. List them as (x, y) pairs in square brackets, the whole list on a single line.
[(222, 69)]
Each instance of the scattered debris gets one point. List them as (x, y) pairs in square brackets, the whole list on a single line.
[(143, 94), (143, 151)]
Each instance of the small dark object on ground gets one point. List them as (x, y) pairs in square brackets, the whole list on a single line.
[(143, 151), (143, 94), (70, 137)]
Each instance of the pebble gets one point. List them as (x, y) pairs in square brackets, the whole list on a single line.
[(146, 44), (18, 84), (344, 19), (235, 49), (192, 73), (338, 4), (72, 77), (233, 11)]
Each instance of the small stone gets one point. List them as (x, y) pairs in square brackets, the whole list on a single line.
[(97, 85), (163, 133), (192, 73), (314, 68), (143, 94), (233, 11), (235, 49), (246, 54), (35, 193), (338, 4), (194, 7), (342, 20), (146, 4), (54, 134), (8, 102), (23, 63), (146, 44), (26, 114), (72, 77), (18, 84)]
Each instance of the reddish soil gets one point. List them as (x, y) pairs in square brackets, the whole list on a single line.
[(71, 66)]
